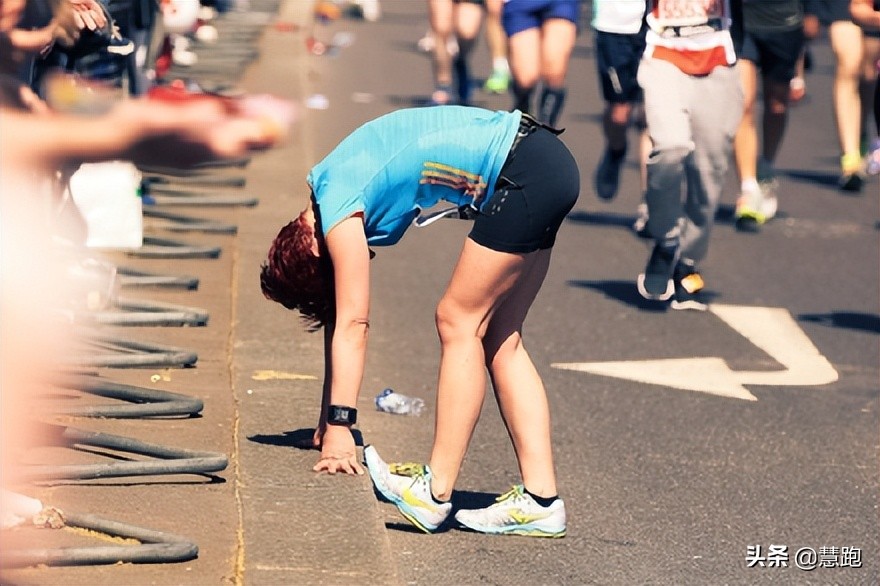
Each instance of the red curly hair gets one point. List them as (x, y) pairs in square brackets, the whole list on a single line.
[(297, 279)]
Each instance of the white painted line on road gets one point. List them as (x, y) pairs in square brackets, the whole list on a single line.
[(773, 330)]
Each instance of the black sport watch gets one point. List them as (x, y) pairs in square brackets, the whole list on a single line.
[(340, 415)]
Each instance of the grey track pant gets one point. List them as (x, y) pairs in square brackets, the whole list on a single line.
[(692, 121)]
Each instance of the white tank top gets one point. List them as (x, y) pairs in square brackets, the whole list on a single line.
[(618, 16)]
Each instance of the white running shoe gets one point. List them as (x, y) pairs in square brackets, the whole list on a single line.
[(516, 513), (769, 201), (426, 44), (408, 487), (370, 9)]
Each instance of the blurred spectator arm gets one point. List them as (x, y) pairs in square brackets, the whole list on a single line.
[(139, 130)]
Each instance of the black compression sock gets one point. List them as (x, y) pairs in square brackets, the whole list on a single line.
[(550, 107), (522, 98), (543, 501), (617, 154)]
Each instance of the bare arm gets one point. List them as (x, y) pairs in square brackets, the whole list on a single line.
[(140, 130), (863, 14), (348, 249), (33, 40), (71, 17)]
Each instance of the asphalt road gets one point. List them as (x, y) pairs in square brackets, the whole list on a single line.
[(684, 441), (662, 485)]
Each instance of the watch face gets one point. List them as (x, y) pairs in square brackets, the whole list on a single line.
[(341, 415)]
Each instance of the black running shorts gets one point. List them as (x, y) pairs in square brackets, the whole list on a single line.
[(617, 63), (538, 186), (774, 53)]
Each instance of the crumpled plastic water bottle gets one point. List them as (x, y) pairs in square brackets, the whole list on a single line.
[(390, 401)]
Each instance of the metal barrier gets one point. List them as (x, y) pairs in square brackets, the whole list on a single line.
[(162, 188), (142, 402), (181, 223), (118, 352), (168, 460), (155, 547), (164, 248), (140, 312), (130, 277)]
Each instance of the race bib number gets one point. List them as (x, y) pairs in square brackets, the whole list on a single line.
[(688, 12)]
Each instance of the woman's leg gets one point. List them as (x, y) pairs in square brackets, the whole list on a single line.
[(558, 37), (846, 42), (746, 141), (481, 281), (496, 39), (775, 117), (468, 21), (440, 14), (869, 81), (517, 384), (524, 54)]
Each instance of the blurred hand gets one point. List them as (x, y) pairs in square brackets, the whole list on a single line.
[(89, 13), (74, 16), (188, 133)]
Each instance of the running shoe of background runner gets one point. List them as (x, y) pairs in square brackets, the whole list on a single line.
[(688, 287), (769, 199), (851, 173), (749, 214), (607, 179), (370, 9), (516, 513), (872, 161), (408, 487), (656, 281), (498, 82)]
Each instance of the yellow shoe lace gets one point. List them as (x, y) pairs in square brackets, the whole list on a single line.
[(514, 492), (410, 469)]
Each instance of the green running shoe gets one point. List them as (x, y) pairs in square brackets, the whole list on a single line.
[(497, 82)]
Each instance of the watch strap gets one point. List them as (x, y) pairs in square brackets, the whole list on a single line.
[(341, 415)]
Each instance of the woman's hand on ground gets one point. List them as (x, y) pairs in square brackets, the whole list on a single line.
[(338, 452)]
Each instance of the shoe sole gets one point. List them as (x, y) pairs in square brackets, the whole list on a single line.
[(605, 192), (494, 90), (643, 291), (405, 509), (748, 224), (690, 304), (524, 531), (852, 183), (605, 196)]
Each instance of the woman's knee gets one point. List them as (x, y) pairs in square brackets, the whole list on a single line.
[(452, 323)]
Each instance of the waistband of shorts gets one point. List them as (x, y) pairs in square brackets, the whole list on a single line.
[(527, 125)]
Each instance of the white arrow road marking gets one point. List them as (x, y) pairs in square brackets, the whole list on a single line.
[(773, 330)]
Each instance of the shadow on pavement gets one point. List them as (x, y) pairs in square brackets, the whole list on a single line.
[(623, 291), (823, 178), (602, 219), (298, 438), (851, 320), (460, 500)]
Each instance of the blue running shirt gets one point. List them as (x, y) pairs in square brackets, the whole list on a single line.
[(393, 167)]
